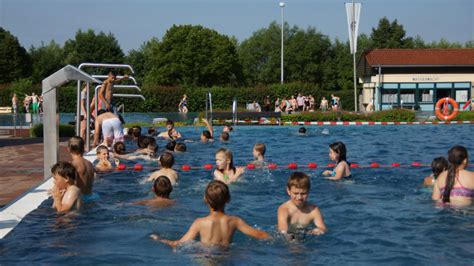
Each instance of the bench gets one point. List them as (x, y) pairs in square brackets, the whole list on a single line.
[(260, 118)]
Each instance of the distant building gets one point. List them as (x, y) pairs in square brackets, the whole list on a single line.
[(416, 78)]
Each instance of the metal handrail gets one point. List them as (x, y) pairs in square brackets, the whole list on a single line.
[(118, 76)]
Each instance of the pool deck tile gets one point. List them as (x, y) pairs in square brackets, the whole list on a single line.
[(21, 165)]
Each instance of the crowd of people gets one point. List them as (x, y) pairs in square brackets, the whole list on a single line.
[(300, 103), (451, 182)]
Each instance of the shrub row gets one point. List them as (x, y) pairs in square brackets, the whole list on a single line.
[(166, 99), (64, 131), (396, 115)]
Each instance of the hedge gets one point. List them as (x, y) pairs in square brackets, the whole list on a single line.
[(64, 131), (396, 115), (166, 99)]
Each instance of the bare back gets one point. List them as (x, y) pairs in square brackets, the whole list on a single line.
[(86, 173), (217, 229)]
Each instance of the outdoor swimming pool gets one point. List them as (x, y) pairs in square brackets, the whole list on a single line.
[(382, 216)]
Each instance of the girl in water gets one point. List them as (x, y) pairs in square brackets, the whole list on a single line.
[(226, 172), (456, 185), (337, 153)]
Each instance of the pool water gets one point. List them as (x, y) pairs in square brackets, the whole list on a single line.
[(381, 216)]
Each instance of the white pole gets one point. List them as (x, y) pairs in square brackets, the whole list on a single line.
[(354, 55), (282, 5)]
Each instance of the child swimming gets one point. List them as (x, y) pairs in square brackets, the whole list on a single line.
[(438, 165), (162, 188), (217, 228), (84, 168), (258, 153), (166, 160), (297, 213), (66, 195), (456, 185), (226, 172), (337, 153), (103, 164)]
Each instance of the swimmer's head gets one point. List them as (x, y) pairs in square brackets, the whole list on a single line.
[(180, 147), (64, 174), (217, 195), (76, 145), (206, 135), (169, 124), (298, 188), (224, 159), (438, 165), (337, 151), (227, 128), (166, 160), (225, 136), (302, 130), (259, 149), (162, 187), (171, 145), (102, 152), (119, 147)]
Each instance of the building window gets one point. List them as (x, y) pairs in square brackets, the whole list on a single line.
[(462, 85), (407, 85), (390, 96), (425, 96), (444, 85), (390, 85), (426, 85), (462, 96), (407, 96)]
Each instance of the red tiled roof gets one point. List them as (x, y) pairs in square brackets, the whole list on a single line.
[(429, 57)]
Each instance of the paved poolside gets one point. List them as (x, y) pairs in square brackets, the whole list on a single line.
[(21, 165)]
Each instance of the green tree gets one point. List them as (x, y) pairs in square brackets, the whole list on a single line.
[(260, 54), (390, 35), (15, 62), (194, 55), (143, 59), (338, 72), (93, 48), (46, 60)]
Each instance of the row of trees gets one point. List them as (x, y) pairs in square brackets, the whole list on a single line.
[(194, 56)]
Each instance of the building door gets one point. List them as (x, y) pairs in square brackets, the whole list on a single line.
[(443, 93)]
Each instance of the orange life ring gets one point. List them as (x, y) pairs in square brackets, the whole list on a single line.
[(442, 109)]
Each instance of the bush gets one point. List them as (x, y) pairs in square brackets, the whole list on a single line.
[(64, 131), (465, 116), (395, 115)]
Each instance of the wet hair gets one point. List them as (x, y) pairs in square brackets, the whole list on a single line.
[(144, 141), (65, 170), (438, 165), (260, 147), (340, 149), (180, 146), (166, 160), (225, 136), (170, 133), (228, 155), (169, 122), (229, 127), (102, 148), (207, 134), (152, 146), (136, 131), (171, 145), (162, 187), (76, 145), (119, 147), (302, 130), (217, 194), (151, 131), (456, 156), (299, 180)]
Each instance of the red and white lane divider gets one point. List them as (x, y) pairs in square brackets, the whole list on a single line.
[(291, 165), (346, 123)]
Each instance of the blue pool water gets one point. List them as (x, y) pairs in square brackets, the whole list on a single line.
[(382, 216)]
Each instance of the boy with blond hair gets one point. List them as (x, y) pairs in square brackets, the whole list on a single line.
[(217, 228), (297, 213)]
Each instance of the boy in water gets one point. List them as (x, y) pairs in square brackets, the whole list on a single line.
[(66, 195), (207, 135), (258, 152), (84, 168), (162, 188), (166, 161), (217, 228), (297, 213), (104, 163)]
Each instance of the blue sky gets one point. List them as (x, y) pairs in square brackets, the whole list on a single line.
[(134, 22)]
